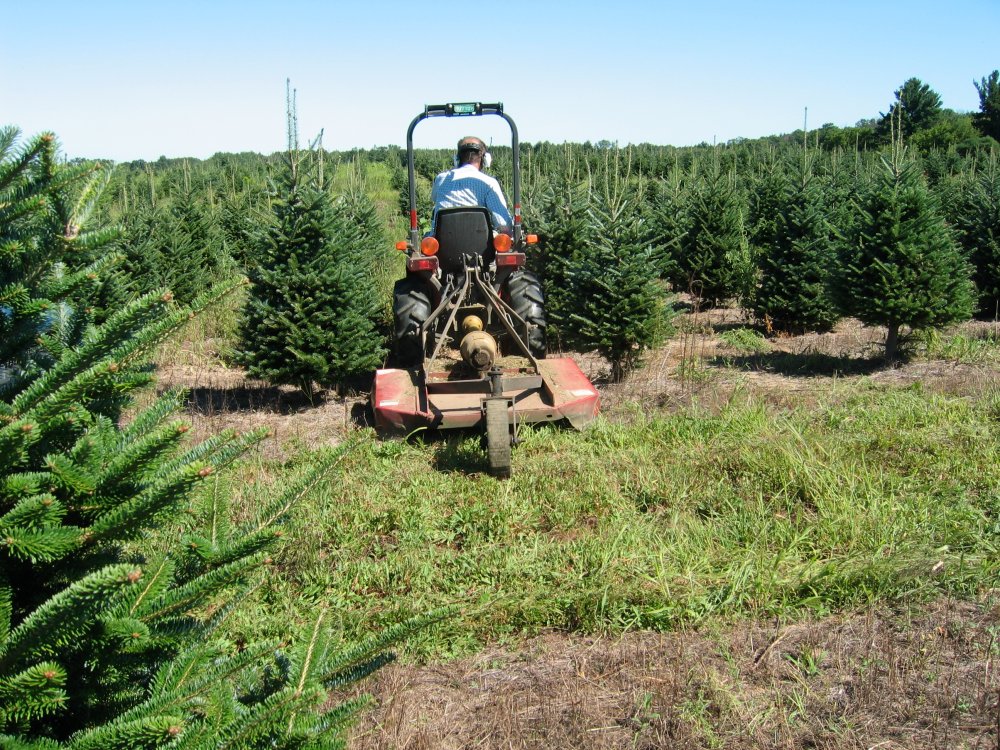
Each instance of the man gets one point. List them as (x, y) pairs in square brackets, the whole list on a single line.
[(467, 185)]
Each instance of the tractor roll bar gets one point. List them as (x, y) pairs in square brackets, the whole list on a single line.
[(462, 109)]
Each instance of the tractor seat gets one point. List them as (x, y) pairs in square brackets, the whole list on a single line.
[(466, 230)]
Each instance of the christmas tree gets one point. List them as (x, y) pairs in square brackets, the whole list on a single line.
[(621, 305), (977, 224), (713, 262), (901, 265), (112, 595), (796, 257), (311, 317)]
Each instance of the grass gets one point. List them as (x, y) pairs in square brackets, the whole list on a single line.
[(745, 341), (658, 522)]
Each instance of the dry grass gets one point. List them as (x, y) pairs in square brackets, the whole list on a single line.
[(925, 678)]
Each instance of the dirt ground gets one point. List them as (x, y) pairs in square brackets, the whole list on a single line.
[(920, 678)]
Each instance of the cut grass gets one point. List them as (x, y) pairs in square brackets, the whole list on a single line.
[(657, 523)]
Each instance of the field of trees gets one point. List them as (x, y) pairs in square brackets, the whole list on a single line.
[(783, 531)]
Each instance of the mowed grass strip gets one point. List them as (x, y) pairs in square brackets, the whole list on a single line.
[(653, 521)]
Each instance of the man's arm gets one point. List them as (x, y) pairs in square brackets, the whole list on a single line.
[(497, 204)]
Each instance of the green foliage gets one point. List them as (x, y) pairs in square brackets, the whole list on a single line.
[(745, 340), (177, 247), (917, 107), (713, 263), (796, 258), (665, 222), (559, 214), (621, 306), (977, 224), (987, 119), (117, 574), (313, 305), (901, 266)]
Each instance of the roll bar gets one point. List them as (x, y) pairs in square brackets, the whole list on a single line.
[(463, 109)]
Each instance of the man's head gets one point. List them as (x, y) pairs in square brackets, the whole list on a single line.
[(472, 150)]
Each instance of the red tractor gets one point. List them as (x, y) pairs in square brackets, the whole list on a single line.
[(466, 287)]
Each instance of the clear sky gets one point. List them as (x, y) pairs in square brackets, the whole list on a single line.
[(140, 79)]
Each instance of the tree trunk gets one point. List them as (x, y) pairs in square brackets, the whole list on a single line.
[(892, 341)]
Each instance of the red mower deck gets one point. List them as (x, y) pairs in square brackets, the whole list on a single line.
[(403, 403)]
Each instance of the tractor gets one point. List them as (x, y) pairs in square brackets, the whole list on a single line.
[(469, 326)]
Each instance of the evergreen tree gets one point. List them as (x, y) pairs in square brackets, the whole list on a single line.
[(621, 305), (917, 107), (179, 247), (665, 220), (901, 266), (374, 251), (796, 262), (105, 636), (977, 224), (714, 259), (560, 214), (312, 308), (987, 119)]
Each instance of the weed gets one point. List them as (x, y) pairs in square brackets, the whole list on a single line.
[(745, 341)]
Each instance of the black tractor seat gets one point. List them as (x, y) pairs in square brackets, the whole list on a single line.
[(466, 230)]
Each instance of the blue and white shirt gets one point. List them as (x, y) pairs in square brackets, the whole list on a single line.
[(467, 186)]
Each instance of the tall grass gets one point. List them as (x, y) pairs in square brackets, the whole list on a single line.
[(656, 522)]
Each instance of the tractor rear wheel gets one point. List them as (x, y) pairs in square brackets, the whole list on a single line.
[(526, 297), (411, 307), (498, 437)]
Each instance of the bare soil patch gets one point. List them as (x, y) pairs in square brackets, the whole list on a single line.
[(924, 677)]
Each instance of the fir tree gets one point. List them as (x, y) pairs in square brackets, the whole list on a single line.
[(665, 220), (620, 305), (560, 214), (901, 266), (312, 308), (977, 224), (797, 260), (714, 259), (100, 646)]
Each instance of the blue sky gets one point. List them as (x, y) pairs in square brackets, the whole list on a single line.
[(131, 80)]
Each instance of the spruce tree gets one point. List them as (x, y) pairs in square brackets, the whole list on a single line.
[(797, 260), (312, 312), (901, 265), (106, 640)]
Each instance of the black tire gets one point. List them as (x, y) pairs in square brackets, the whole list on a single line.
[(524, 292), (411, 307)]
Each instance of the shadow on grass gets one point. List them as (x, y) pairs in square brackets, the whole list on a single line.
[(459, 451), (810, 364), (263, 398)]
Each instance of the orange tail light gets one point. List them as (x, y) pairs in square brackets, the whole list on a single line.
[(429, 246), (501, 243)]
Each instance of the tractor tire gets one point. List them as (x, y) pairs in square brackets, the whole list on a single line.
[(411, 307), (524, 292)]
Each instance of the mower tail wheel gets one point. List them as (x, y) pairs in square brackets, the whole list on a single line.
[(498, 437)]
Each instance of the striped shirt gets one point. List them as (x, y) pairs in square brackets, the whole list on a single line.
[(467, 186)]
